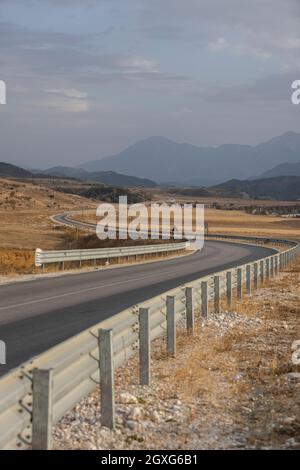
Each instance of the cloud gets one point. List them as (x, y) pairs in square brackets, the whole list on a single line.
[(219, 45), (67, 100), (133, 64), (69, 93), (208, 71), (68, 105), (272, 90), (265, 28)]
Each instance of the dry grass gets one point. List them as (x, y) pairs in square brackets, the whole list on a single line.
[(25, 209), (234, 222), (237, 222), (16, 261)]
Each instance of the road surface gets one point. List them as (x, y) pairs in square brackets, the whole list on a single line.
[(36, 315)]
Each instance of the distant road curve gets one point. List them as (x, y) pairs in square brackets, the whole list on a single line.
[(63, 219), (36, 315)]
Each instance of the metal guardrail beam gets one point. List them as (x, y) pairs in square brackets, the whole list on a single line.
[(62, 256), (75, 362)]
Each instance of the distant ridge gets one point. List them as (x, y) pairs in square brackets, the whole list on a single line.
[(280, 188), (284, 169), (161, 160), (109, 178), (7, 169), (104, 177)]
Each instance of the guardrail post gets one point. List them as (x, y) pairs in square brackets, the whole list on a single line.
[(276, 265), (262, 273), (272, 266), (42, 409), (255, 278), (229, 287), (248, 279), (190, 321), (239, 284), (217, 294), (204, 299), (144, 336), (280, 261), (171, 326), (106, 378), (268, 271)]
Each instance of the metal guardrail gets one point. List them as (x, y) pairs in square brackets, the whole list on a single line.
[(256, 240), (74, 364), (62, 256)]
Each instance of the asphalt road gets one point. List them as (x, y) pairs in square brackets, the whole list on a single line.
[(36, 315), (63, 219)]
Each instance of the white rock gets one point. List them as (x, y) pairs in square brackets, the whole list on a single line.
[(132, 425), (136, 414), (128, 398), (289, 420), (119, 419), (291, 442), (155, 416), (293, 375)]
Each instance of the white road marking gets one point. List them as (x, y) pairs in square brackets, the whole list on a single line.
[(81, 291)]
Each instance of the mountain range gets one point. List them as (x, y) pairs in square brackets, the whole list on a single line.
[(109, 178), (284, 169), (104, 177), (7, 169), (166, 161), (277, 188), (286, 188)]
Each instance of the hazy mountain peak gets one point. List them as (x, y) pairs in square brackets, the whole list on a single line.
[(162, 159), (290, 135)]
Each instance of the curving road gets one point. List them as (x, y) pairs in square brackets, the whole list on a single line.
[(36, 315), (63, 219)]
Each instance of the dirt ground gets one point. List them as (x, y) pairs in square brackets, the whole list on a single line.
[(232, 385)]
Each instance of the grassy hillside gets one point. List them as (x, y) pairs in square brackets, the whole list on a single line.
[(279, 188)]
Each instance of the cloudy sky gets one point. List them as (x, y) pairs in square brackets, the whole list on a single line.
[(86, 78)]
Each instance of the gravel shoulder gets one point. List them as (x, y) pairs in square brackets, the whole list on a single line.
[(232, 385)]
